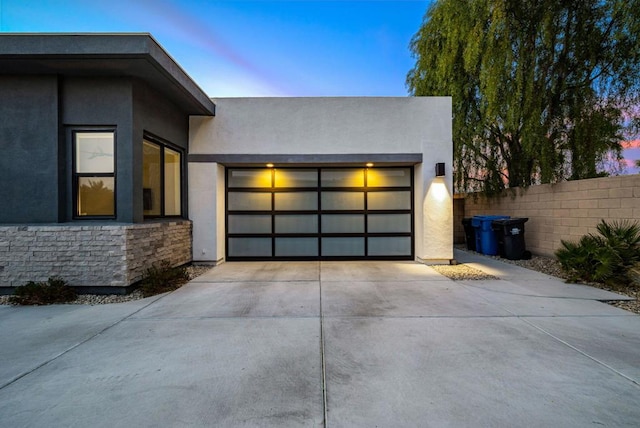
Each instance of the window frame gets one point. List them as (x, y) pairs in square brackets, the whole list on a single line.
[(77, 175), (164, 144)]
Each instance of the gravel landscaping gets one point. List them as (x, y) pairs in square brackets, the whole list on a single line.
[(461, 272)]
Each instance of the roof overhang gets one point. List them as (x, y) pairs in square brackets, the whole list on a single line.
[(134, 55)]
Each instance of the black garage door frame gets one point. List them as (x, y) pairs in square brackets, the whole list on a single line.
[(319, 189)]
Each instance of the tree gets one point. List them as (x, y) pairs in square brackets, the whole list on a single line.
[(541, 89)]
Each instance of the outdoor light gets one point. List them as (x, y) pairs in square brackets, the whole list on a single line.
[(269, 165), (440, 169), (369, 164)]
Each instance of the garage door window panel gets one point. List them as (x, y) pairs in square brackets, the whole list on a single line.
[(249, 201), (296, 223), (298, 201), (249, 224), (397, 200), (343, 223), (296, 247)]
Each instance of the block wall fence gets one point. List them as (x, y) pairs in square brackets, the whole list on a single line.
[(96, 256), (562, 211)]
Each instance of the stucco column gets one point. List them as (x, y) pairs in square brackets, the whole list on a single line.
[(206, 209), (434, 202)]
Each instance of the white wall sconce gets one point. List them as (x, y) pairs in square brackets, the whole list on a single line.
[(440, 169)]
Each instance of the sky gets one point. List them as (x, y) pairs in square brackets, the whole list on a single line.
[(238, 48), (242, 48)]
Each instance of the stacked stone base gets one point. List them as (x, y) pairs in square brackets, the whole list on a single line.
[(96, 256)]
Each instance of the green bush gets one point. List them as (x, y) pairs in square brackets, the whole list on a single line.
[(611, 256), (162, 278), (55, 290)]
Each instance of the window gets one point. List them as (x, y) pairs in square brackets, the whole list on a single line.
[(94, 178), (161, 180)]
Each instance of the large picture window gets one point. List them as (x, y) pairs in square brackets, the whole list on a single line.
[(161, 180), (94, 173)]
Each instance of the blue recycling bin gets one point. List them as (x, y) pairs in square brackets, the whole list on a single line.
[(486, 240)]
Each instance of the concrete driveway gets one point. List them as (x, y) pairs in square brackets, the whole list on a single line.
[(335, 344)]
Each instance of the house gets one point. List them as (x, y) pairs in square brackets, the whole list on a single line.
[(114, 159)]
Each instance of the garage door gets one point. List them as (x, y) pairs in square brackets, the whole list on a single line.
[(319, 213)]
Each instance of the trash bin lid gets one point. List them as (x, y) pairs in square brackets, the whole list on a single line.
[(478, 220), (511, 221)]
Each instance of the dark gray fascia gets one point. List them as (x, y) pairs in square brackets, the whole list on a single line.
[(132, 54), (352, 159)]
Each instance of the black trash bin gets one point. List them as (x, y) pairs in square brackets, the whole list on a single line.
[(469, 234), (510, 235)]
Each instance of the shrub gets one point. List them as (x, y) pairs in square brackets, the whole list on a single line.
[(610, 256), (162, 278), (54, 290)]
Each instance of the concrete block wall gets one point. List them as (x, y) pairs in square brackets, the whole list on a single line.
[(90, 255), (563, 211)]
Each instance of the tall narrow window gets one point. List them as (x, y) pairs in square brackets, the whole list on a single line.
[(172, 200), (161, 180), (151, 179), (94, 173)]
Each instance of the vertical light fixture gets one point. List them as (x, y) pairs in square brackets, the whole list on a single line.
[(440, 169)]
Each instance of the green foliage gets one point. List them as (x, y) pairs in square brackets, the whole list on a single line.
[(542, 90), (162, 278), (611, 256), (55, 290)]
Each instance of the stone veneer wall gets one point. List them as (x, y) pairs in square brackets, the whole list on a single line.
[(566, 210), (105, 255)]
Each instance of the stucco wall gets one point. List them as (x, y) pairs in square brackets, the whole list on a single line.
[(90, 255), (337, 126), (564, 211), (29, 176)]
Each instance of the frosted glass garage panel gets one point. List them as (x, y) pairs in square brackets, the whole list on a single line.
[(296, 201), (296, 223), (342, 200), (249, 247), (249, 178), (389, 200), (390, 246), (296, 247), (389, 223), (395, 177), (342, 177), (296, 178), (249, 201), (249, 224), (342, 223), (343, 246)]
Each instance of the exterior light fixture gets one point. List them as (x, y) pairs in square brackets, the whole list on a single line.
[(369, 164), (440, 169), (269, 165)]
